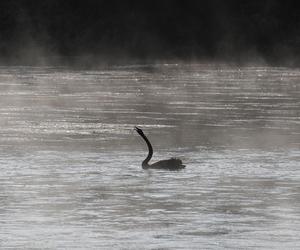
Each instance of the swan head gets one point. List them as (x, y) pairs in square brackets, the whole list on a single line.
[(137, 129)]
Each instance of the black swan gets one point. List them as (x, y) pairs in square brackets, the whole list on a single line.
[(170, 164)]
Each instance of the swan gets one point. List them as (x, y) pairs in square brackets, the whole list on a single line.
[(170, 164)]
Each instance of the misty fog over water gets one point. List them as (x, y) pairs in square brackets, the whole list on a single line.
[(97, 31), (70, 161)]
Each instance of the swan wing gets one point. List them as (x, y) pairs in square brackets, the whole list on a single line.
[(171, 164)]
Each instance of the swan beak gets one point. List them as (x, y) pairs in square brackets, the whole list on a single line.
[(137, 129)]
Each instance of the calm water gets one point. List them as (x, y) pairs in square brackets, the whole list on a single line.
[(70, 174)]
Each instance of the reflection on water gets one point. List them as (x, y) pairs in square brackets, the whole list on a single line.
[(70, 174)]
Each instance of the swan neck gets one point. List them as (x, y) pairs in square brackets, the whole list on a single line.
[(145, 163)]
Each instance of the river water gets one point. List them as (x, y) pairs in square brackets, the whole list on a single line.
[(70, 161)]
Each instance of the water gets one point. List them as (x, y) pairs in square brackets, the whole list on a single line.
[(70, 174)]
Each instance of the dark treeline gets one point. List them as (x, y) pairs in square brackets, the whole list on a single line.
[(235, 30)]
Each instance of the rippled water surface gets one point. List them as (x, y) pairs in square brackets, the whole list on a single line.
[(70, 162)]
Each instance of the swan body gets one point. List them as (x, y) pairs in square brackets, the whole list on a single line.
[(170, 164)]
